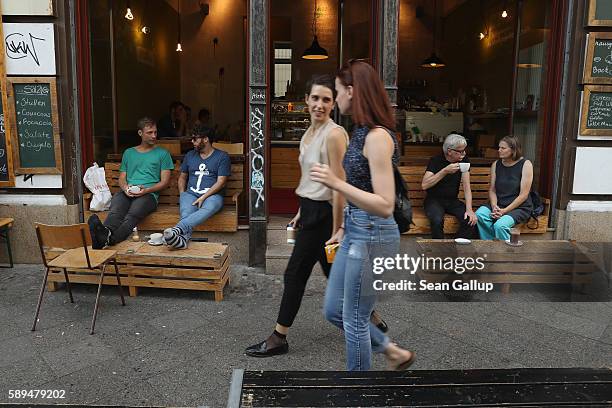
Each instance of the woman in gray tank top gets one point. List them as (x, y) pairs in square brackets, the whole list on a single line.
[(509, 202)]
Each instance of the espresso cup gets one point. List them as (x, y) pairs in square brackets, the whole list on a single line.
[(134, 189), (515, 234), (464, 167), (156, 238), (290, 234)]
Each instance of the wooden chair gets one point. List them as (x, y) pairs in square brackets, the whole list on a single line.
[(5, 226), (75, 239)]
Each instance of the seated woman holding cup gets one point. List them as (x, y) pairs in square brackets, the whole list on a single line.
[(509, 201), (442, 178)]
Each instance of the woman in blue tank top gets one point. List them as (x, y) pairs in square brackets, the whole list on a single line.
[(509, 203), (371, 234)]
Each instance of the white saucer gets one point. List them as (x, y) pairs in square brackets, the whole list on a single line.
[(518, 244), (154, 243), (463, 241)]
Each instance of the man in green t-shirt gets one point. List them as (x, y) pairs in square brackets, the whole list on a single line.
[(145, 170)]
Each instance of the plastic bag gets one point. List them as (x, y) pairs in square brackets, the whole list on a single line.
[(95, 181)]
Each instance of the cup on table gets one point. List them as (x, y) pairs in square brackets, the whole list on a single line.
[(156, 239), (290, 234), (464, 167), (515, 235)]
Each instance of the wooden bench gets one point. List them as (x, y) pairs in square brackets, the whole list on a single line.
[(167, 213), (203, 266), (480, 178)]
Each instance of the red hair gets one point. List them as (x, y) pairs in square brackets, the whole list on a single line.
[(370, 105)]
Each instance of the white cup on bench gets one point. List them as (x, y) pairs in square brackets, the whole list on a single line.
[(156, 239)]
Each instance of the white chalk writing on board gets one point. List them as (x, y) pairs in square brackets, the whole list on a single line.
[(30, 48)]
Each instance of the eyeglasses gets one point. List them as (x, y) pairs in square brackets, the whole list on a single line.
[(461, 152)]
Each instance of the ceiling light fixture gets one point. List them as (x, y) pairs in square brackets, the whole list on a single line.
[(128, 13), (434, 61), (179, 48), (315, 51)]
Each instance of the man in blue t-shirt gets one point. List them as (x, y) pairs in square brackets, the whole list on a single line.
[(204, 172)]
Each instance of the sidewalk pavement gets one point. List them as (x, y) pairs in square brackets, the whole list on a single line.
[(178, 347)]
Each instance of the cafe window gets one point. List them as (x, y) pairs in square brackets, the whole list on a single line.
[(488, 80), (282, 68), (141, 57)]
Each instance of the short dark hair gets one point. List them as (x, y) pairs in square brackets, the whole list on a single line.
[(322, 80), (203, 131), (514, 144), (145, 122), (203, 112), (176, 104)]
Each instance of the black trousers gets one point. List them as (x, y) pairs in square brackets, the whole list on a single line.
[(317, 220), (125, 213), (435, 208)]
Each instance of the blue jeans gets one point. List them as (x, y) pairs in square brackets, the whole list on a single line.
[(350, 295), (192, 216), (490, 228)]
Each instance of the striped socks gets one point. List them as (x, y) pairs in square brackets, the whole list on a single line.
[(174, 238)]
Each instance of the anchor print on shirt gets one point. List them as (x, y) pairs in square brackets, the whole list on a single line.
[(200, 173)]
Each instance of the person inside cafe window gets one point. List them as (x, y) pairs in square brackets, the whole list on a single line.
[(370, 231), (509, 202), (204, 173), (445, 172), (174, 123), (145, 170), (204, 120), (319, 215)]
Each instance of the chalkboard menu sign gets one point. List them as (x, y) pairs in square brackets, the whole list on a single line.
[(6, 165), (596, 117), (600, 13), (34, 105), (598, 67)]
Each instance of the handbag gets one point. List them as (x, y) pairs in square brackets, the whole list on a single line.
[(537, 209), (403, 209)]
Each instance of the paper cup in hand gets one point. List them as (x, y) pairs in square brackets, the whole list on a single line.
[(330, 252), (464, 167)]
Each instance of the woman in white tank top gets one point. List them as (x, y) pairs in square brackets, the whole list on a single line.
[(320, 214)]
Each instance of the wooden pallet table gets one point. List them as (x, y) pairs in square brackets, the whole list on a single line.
[(537, 261), (203, 266)]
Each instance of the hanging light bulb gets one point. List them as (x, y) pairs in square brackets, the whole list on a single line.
[(504, 14), (128, 13), (482, 35), (145, 30), (178, 42)]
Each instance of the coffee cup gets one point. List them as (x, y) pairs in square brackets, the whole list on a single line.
[(156, 239), (464, 167), (290, 234), (330, 252), (134, 189)]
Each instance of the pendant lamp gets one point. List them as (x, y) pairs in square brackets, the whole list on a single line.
[(179, 48), (433, 61), (128, 12), (315, 51)]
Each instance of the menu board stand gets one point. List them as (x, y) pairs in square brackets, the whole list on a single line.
[(32, 104), (598, 66)]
